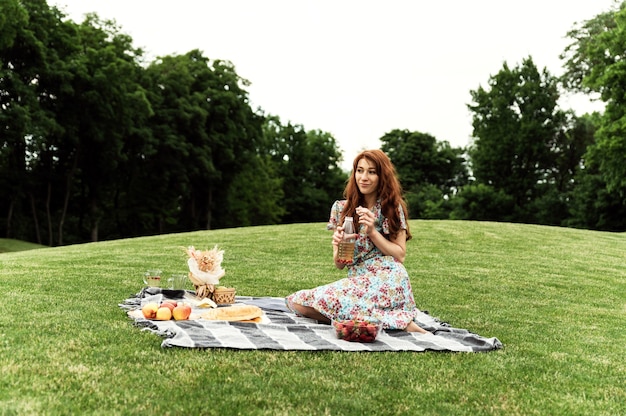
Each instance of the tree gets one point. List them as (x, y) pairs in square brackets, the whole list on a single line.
[(235, 133), (102, 113), (178, 154), (206, 137), (516, 125), (255, 196), (430, 171), (595, 62), (590, 205), (481, 202), (17, 95), (551, 207), (308, 163), (35, 58)]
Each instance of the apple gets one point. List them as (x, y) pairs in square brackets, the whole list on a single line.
[(181, 312), (163, 314), (149, 310), (172, 301), (169, 305)]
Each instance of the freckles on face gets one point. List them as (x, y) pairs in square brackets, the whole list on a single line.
[(366, 176)]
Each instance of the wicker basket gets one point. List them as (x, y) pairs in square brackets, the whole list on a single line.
[(224, 295)]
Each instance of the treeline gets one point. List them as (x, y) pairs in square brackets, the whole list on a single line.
[(99, 144)]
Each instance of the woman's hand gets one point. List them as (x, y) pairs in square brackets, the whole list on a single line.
[(367, 219), (337, 237), (395, 247)]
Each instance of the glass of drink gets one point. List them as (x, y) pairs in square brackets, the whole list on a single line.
[(178, 281), (152, 278)]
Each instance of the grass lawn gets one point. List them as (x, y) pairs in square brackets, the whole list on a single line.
[(555, 297)]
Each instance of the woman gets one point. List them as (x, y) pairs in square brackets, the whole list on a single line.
[(377, 288)]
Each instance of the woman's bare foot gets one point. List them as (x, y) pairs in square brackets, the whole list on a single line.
[(413, 327)]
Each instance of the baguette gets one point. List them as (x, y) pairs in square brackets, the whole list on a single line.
[(233, 313)]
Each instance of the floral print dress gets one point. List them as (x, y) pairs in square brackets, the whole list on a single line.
[(377, 288)]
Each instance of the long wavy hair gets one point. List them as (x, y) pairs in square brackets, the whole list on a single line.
[(389, 191)]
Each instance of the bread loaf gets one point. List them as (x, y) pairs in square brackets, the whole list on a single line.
[(233, 313)]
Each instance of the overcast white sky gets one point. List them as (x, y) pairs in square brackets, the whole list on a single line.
[(356, 68)]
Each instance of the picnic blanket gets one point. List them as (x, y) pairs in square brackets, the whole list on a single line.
[(280, 329)]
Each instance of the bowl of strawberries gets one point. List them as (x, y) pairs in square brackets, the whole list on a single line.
[(356, 330)]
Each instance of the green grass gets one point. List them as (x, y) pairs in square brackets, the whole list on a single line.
[(556, 298), (8, 245)]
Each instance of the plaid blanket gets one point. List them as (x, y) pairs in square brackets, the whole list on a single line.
[(282, 330)]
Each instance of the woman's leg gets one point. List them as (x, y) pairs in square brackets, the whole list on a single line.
[(309, 312), (413, 327)]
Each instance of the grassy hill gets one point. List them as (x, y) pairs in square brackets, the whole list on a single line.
[(556, 298), (8, 245)]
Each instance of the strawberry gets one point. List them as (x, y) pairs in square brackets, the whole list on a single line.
[(356, 330)]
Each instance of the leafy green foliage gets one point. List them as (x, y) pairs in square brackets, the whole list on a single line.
[(100, 145), (430, 171), (254, 197), (308, 163), (482, 202), (594, 62), (107, 116), (206, 135), (32, 73), (526, 148), (515, 123), (592, 206)]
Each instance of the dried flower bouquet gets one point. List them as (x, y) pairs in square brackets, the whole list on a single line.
[(205, 269)]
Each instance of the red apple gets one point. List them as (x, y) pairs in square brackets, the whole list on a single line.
[(149, 310), (181, 312), (163, 314), (169, 305)]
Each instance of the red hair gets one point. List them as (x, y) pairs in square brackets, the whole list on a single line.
[(389, 191)]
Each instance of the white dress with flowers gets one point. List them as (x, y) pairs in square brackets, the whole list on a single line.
[(377, 288)]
